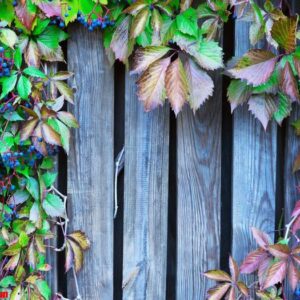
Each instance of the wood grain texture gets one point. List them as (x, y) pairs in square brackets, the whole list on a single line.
[(91, 162), (52, 276), (145, 199), (199, 192), (254, 170)]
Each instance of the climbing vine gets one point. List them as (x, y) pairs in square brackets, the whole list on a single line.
[(172, 46)]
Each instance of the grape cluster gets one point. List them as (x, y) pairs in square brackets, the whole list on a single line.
[(58, 21), (5, 64), (101, 22)]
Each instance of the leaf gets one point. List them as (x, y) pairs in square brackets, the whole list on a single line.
[(7, 281), (23, 239), (64, 132), (296, 210), (62, 75), (279, 251), (135, 7), (176, 85), (243, 288), (12, 250), (121, 44), (262, 107), (53, 206), (185, 4), (238, 92), (50, 9), (261, 238), (69, 257), (34, 72), (253, 260), (25, 16), (80, 238), (33, 187), (18, 58), (234, 269), (49, 178), (293, 276), (65, 91), (284, 32), (156, 24), (284, 108), (43, 288), (19, 197), (8, 85), (255, 67), (217, 275), (77, 254), (151, 84), (8, 37), (24, 87), (187, 22), (68, 119), (275, 274), (28, 128), (12, 263), (139, 23), (31, 255), (50, 135), (144, 57), (210, 55), (217, 292), (200, 84), (288, 82), (32, 54), (16, 293), (34, 212)]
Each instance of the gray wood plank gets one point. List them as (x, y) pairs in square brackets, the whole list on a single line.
[(91, 162), (198, 192), (145, 199), (254, 170), (52, 276)]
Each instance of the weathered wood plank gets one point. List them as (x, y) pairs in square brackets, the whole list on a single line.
[(254, 169), (145, 199), (91, 162), (198, 192)]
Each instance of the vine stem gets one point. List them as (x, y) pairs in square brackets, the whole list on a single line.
[(288, 227), (78, 297)]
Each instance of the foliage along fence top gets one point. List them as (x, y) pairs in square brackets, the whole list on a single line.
[(174, 47)]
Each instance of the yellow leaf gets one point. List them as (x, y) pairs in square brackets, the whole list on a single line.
[(139, 23)]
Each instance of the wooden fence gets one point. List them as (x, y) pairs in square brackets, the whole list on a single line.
[(191, 188)]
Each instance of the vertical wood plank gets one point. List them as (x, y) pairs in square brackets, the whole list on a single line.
[(254, 169), (198, 192), (91, 163), (292, 148), (52, 276), (145, 199)]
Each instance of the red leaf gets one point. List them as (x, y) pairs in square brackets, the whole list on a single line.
[(262, 239), (50, 9), (234, 269), (293, 276), (276, 274), (217, 292), (231, 294), (280, 251), (25, 16), (288, 82), (262, 270), (253, 260), (256, 67)]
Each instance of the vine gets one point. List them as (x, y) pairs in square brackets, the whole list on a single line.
[(172, 46)]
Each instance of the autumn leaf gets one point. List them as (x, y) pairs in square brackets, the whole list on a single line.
[(26, 16), (288, 83), (255, 67), (176, 85), (238, 92), (218, 292), (144, 57), (276, 274), (151, 84), (284, 32), (262, 107), (200, 84), (139, 23)]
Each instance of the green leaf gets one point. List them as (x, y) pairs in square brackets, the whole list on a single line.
[(34, 72), (7, 12), (187, 22), (53, 206), (33, 187), (7, 281), (49, 179), (24, 87), (18, 58), (68, 119), (12, 116), (34, 212), (23, 239), (52, 36), (284, 108), (43, 288), (8, 85), (47, 163), (8, 37)]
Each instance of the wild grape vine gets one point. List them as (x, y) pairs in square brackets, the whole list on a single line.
[(174, 46)]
